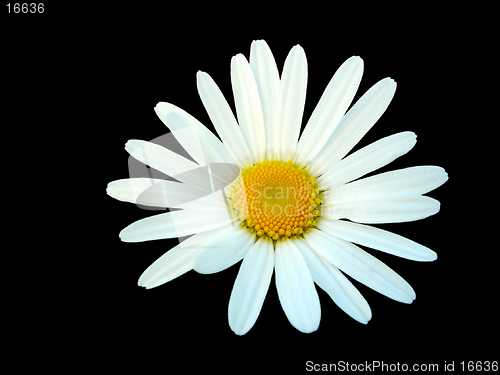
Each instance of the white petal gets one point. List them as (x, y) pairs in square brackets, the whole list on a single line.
[(223, 119), (175, 262), (160, 158), (130, 189), (382, 209), (408, 181), (150, 228), (214, 149), (223, 252), (187, 135), (248, 106), (178, 260), (331, 280), (250, 287), (291, 100), (295, 286), (378, 239), (355, 124), (154, 192), (202, 145), (217, 201), (330, 109), (204, 237), (368, 159), (267, 78), (176, 224), (361, 266)]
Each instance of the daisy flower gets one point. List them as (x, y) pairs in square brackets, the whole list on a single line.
[(296, 206)]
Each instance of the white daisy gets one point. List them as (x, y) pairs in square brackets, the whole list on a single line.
[(296, 207)]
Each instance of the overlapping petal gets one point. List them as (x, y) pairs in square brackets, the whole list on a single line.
[(214, 150), (174, 263), (160, 158), (361, 266), (178, 260), (223, 119), (204, 214), (224, 251), (329, 111), (154, 192), (368, 159), (378, 239), (331, 280), (354, 125)]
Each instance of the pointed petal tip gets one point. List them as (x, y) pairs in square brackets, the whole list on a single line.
[(368, 316), (427, 256), (307, 330), (356, 62), (313, 328), (142, 279), (411, 135), (411, 296), (364, 320), (238, 333), (258, 42), (108, 189), (113, 191), (297, 47), (388, 80), (145, 285), (238, 329), (123, 236), (238, 56), (201, 73), (355, 57), (132, 144)]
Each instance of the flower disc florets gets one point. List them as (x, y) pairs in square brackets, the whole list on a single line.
[(276, 199)]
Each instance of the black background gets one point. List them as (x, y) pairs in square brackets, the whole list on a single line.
[(80, 82)]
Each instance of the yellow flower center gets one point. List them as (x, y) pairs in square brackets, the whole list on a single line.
[(276, 199)]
